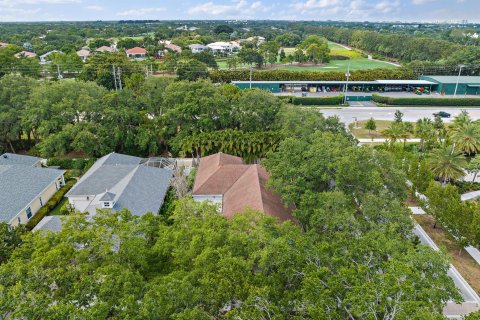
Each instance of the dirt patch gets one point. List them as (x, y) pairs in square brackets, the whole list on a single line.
[(460, 258)]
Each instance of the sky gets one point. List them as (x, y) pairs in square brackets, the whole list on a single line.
[(354, 10)]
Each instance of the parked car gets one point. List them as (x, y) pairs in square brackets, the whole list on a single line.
[(442, 114)]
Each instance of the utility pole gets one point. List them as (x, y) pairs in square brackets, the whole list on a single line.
[(251, 73), (114, 77), (458, 80), (146, 71), (346, 85), (151, 69), (119, 73)]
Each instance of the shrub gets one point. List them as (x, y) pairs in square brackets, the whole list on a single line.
[(317, 101), (284, 75), (450, 102), (50, 205), (69, 163), (379, 99)]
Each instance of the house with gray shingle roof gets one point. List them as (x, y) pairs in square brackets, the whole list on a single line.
[(118, 181), (25, 187)]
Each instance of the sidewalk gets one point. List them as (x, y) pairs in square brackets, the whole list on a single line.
[(471, 299), (363, 140)]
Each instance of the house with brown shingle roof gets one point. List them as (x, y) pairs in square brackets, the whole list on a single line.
[(234, 186)]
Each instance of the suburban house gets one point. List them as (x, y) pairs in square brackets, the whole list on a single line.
[(258, 40), (136, 53), (118, 181), (224, 47), (234, 186), (197, 48), (104, 49), (44, 57), (25, 187), (83, 54), (26, 54), (3, 44), (173, 47)]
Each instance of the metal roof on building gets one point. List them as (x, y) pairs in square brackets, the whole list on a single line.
[(376, 82), (454, 79)]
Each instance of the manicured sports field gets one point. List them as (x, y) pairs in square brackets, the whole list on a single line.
[(356, 61)]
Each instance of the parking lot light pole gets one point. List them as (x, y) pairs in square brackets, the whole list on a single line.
[(346, 85), (458, 80)]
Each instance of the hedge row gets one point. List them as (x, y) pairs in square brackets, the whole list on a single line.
[(314, 101), (450, 102), (81, 164), (50, 205), (285, 75)]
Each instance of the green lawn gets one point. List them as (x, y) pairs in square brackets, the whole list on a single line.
[(342, 65), (362, 133), (356, 61)]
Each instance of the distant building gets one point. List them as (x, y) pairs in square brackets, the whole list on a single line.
[(3, 44), (258, 40), (118, 181), (136, 53), (83, 54), (224, 47), (234, 186), (25, 54), (173, 47), (197, 48), (25, 187), (446, 84), (105, 49)]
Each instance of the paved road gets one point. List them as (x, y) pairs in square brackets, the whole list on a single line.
[(411, 114)]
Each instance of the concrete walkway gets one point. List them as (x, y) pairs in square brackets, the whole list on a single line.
[(470, 195), (471, 299), (417, 210), (384, 140)]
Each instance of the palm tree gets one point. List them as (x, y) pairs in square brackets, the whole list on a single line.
[(466, 137), (424, 130), (447, 164), (395, 132)]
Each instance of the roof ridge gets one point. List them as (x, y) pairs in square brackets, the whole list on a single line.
[(259, 185)]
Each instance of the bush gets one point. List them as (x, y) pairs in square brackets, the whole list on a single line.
[(317, 101), (284, 75), (450, 102), (379, 99), (467, 186), (50, 205), (79, 164)]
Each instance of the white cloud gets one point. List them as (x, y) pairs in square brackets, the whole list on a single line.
[(12, 3), (141, 12), (236, 8), (420, 2), (316, 4), (95, 8)]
